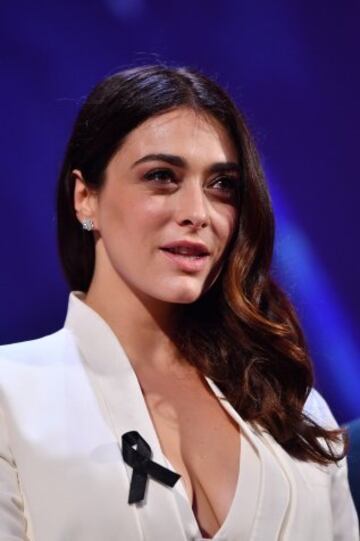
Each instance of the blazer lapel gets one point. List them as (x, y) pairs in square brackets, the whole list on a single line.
[(276, 485), (116, 385)]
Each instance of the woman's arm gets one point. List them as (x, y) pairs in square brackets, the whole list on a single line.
[(346, 524), (12, 519), (345, 519)]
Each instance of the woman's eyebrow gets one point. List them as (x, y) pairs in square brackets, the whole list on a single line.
[(181, 162)]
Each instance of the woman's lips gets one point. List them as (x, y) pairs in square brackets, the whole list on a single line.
[(187, 262)]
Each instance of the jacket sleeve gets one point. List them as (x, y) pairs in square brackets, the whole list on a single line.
[(12, 519), (345, 519)]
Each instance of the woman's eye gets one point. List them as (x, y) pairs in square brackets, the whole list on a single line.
[(229, 184), (161, 175), (225, 184)]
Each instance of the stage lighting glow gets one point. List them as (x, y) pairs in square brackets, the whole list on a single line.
[(335, 352), (125, 8)]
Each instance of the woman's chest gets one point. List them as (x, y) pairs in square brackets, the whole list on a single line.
[(200, 440)]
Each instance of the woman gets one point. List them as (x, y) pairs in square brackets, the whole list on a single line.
[(176, 403)]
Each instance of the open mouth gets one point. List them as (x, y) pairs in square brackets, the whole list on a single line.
[(187, 262), (188, 255)]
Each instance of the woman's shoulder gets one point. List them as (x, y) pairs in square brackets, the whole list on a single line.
[(317, 408), (37, 351)]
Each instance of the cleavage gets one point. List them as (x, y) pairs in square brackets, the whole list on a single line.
[(200, 440)]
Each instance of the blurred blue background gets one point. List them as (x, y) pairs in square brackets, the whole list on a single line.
[(292, 67)]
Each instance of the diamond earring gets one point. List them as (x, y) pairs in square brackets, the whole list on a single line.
[(87, 224)]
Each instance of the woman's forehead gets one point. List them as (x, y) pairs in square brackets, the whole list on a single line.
[(180, 130)]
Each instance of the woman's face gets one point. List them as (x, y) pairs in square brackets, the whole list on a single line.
[(175, 178)]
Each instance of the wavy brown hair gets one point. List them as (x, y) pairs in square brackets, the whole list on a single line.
[(243, 332)]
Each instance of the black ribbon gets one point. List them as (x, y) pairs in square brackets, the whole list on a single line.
[(143, 466)]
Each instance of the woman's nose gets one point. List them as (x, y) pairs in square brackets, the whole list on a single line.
[(192, 206)]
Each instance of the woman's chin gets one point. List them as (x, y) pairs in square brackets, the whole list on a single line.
[(185, 296)]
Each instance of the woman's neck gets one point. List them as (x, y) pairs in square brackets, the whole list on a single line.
[(143, 326)]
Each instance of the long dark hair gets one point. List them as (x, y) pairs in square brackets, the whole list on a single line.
[(243, 332)]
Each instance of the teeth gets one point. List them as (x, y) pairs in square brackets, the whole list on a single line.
[(183, 251)]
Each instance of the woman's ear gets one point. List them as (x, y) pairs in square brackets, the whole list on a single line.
[(85, 199)]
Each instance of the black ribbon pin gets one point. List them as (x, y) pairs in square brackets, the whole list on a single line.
[(143, 466)]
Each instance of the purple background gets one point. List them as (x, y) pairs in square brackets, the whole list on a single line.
[(293, 67)]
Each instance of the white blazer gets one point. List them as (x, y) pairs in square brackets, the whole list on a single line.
[(65, 401)]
